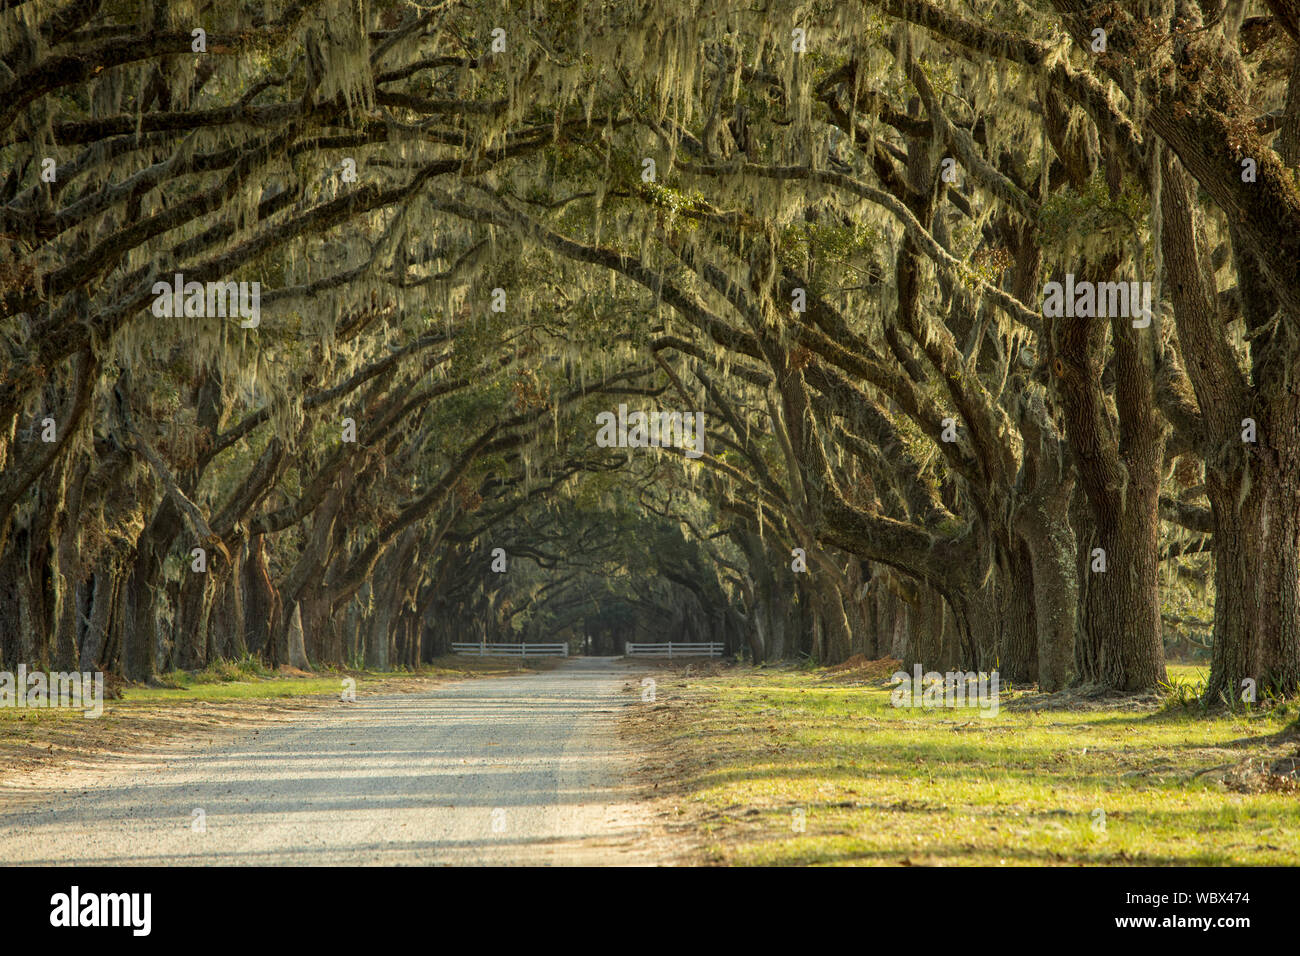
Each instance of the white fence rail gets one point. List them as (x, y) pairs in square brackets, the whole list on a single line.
[(511, 650), (674, 649)]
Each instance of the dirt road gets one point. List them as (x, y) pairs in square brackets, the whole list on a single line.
[(513, 770)]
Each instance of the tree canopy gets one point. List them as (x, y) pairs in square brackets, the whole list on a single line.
[(990, 310)]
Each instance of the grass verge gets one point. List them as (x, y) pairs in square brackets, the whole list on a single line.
[(185, 706), (781, 766)]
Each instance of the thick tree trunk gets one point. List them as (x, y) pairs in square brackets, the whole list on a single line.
[(226, 623), (259, 600), (1042, 522), (1051, 544), (756, 633), (1253, 487), (1256, 583), (101, 608), (837, 638), (139, 622), (777, 608), (66, 576), (966, 619), (1017, 653), (193, 616), (1119, 642), (297, 640), (12, 626), (1118, 464)]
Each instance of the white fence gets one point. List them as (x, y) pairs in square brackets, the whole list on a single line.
[(673, 649), (512, 650)]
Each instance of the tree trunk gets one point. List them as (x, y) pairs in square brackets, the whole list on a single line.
[(1118, 463), (1051, 544), (1017, 657), (193, 613), (1119, 641), (1256, 582), (259, 600), (139, 622), (101, 607), (297, 644)]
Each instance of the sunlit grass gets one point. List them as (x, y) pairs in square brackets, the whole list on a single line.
[(878, 784)]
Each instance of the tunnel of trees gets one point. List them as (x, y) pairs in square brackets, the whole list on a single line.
[(466, 229)]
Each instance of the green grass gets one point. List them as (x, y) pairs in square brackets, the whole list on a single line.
[(247, 679), (885, 785), (227, 690), (1192, 674)]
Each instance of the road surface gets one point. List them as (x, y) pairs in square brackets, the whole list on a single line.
[(512, 770)]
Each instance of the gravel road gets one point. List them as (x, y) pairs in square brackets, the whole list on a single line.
[(511, 770)]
